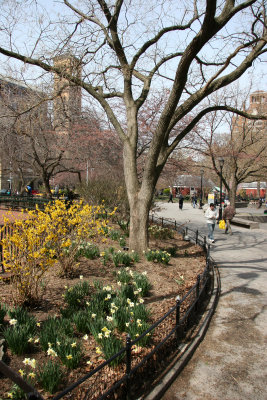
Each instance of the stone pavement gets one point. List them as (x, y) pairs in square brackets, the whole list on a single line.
[(231, 362)]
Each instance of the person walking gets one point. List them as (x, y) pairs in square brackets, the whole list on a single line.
[(181, 201), (211, 215), (228, 215), (56, 192), (170, 198), (194, 201)]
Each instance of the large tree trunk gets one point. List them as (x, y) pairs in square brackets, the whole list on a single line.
[(232, 192), (139, 219), (47, 185), (139, 196)]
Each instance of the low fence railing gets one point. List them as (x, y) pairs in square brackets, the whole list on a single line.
[(24, 202), (126, 381)]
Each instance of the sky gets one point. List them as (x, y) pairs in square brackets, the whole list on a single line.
[(25, 34)]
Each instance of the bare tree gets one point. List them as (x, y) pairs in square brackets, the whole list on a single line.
[(243, 147), (30, 145), (126, 48)]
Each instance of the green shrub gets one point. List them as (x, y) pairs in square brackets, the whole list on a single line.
[(141, 282), (17, 393), (172, 251), (124, 225), (121, 313), (82, 320), (22, 317), (18, 338), (139, 311), (127, 292), (160, 256), (136, 328), (49, 376), (53, 330), (106, 255), (110, 346), (121, 258), (3, 311), (88, 250), (122, 241), (69, 351), (101, 300), (96, 326), (124, 276), (114, 235), (158, 232), (135, 256), (20, 334), (77, 295)]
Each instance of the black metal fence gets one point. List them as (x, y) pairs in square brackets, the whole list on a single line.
[(24, 202), (171, 330)]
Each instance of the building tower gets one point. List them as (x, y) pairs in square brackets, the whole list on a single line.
[(68, 99), (257, 105)]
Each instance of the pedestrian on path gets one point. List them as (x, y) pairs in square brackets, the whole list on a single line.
[(228, 215), (181, 201), (194, 201), (211, 215), (170, 198)]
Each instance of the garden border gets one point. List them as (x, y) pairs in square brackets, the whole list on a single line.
[(181, 352)]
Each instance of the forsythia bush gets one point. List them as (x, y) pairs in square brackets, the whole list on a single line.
[(53, 235)]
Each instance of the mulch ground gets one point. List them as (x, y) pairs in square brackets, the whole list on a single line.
[(166, 285)]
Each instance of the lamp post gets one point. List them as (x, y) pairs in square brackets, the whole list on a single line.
[(221, 162), (201, 192)]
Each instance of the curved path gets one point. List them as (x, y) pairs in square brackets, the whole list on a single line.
[(231, 362)]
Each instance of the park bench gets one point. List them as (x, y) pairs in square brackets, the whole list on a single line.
[(244, 223)]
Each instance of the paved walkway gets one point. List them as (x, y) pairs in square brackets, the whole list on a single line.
[(231, 362)]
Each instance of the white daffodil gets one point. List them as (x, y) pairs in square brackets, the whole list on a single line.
[(51, 352)]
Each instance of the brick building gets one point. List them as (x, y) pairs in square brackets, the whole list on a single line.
[(14, 98), (67, 103)]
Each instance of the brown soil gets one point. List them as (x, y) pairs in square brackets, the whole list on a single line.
[(189, 262)]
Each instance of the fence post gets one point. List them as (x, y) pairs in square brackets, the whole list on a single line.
[(196, 236), (208, 258), (205, 241), (29, 390), (128, 365), (2, 259), (178, 304), (162, 224), (175, 225), (152, 218), (185, 232), (197, 291)]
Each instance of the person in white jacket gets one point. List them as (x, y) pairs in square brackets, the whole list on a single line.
[(211, 215)]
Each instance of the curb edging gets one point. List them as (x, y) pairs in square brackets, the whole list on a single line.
[(187, 350)]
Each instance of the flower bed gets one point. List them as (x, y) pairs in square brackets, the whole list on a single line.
[(109, 302)]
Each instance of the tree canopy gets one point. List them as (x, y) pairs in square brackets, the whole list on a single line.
[(126, 50)]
